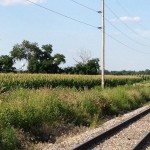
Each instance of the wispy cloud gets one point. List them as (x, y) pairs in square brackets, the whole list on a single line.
[(12, 2), (127, 19)]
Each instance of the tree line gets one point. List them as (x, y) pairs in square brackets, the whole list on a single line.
[(41, 60), (130, 72)]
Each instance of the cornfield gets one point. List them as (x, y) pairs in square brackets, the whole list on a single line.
[(35, 81)]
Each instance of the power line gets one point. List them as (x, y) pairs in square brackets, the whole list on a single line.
[(124, 33), (124, 44), (82, 23), (60, 14), (125, 10), (85, 6), (139, 43), (123, 7), (122, 21)]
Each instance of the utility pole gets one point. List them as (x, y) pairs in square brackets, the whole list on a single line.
[(103, 45)]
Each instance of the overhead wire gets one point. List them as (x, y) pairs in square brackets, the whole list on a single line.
[(139, 43), (125, 44), (122, 21), (125, 10), (86, 24), (94, 10), (115, 28), (60, 14)]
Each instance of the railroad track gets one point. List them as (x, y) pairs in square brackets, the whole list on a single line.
[(101, 142), (143, 142)]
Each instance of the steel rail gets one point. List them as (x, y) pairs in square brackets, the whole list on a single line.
[(142, 142), (108, 133)]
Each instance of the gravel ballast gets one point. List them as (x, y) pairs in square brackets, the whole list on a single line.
[(70, 142), (126, 138)]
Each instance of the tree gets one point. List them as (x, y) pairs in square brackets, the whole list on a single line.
[(80, 68), (90, 68), (84, 56), (40, 60), (147, 71), (85, 65), (6, 64)]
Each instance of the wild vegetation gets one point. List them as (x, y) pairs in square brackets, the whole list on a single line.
[(32, 110)]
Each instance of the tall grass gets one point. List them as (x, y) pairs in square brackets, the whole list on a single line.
[(32, 110)]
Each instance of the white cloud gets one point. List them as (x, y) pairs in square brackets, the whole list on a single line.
[(127, 19), (11, 2)]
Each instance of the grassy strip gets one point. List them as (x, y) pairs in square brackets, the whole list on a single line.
[(39, 112), (13, 81)]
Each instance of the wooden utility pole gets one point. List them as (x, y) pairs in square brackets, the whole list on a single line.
[(103, 45)]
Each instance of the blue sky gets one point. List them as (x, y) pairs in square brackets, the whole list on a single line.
[(24, 21)]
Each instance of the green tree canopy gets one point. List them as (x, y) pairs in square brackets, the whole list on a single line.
[(91, 67), (6, 64), (40, 60)]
